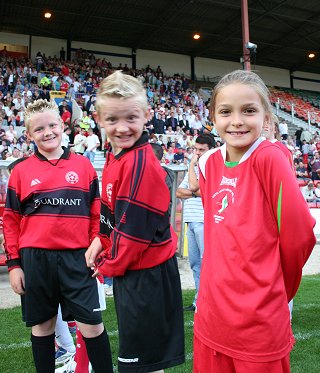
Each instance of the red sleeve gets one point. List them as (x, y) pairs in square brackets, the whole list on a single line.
[(95, 206), (295, 223), (94, 219), (140, 214), (11, 222)]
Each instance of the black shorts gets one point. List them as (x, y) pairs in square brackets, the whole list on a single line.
[(54, 277), (150, 318)]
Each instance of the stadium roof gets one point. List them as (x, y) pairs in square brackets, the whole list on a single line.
[(285, 31)]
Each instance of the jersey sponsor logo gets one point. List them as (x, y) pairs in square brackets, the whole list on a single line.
[(109, 191), (72, 177), (35, 182), (57, 202), (231, 182), (132, 360), (105, 221)]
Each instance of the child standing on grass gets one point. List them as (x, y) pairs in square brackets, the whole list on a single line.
[(138, 242), (51, 216), (258, 235)]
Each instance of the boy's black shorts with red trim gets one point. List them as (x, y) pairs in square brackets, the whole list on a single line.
[(54, 277), (150, 318)]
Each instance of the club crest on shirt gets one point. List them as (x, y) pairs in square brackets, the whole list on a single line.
[(109, 191), (72, 177), (221, 201)]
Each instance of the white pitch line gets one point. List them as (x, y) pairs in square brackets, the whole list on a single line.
[(308, 335), (306, 306), (111, 333), (14, 346)]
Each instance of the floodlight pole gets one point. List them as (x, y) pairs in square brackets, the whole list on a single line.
[(245, 34)]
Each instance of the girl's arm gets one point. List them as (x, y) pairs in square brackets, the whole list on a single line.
[(291, 213)]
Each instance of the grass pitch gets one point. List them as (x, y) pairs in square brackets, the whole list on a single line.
[(16, 356)]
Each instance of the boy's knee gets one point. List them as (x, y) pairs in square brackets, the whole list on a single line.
[(45, 328), (90, 331)]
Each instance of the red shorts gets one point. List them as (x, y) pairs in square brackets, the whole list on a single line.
[(206, 360)]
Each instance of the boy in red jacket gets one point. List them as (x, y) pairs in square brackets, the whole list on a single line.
[(50, 219), (138, 242)]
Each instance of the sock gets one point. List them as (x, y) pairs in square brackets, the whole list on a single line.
[(63, 337), (43, 353), (81, 357), (99, 353)]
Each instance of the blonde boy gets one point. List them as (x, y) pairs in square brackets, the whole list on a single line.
[(51, 196), (137, 240)]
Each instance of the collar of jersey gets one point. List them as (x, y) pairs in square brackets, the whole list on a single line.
[(41, 157)]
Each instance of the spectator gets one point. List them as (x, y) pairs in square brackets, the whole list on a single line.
[(160, 124), (39, 61), (64, 87), (302, 172), (79, 141), (308, 192), (85, 121), (298, 134), (184, 123), (179, 156), (170, 131), (317, 192), (315, 166), (169, 156), (172, 122), (305, 151), (66, 115), (16, 154), (65, 140), (193, 212), (11, 133), (283, 129), (92, 143)]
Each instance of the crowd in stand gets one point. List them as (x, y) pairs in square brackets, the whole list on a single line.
[(175, 108), (177, 113)]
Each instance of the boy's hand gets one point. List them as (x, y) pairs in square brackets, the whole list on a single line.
[(96, 273), (93, 251), (16, 277)]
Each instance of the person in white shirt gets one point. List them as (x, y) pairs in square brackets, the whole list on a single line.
[(11, 133), (308, 192), (317, 192), (79, 141), (92, 143), (283, 129), (65, 140)]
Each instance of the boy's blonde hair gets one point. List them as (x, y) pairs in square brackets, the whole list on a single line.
[(243, 77), (119, 85), (39, 106)]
